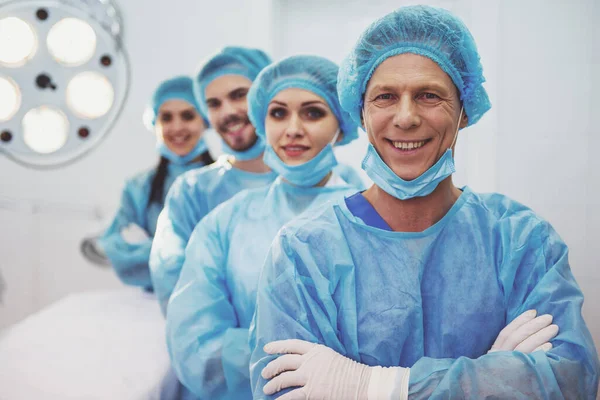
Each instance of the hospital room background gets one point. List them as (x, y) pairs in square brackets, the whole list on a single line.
[(539, 144)]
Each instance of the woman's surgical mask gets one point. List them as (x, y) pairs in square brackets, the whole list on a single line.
[(198, 149), (309, 173)]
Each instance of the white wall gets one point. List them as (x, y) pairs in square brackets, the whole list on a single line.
[(535, 144), (547, 141)]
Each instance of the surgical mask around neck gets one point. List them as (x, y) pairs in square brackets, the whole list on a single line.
[(383, 176), (309, 173), (198, 149)]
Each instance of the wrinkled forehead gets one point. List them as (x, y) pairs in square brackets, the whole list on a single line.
[(409, 71), (221, 86)]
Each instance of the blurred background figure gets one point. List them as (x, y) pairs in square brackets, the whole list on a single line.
[(179, 128), (222, 85)]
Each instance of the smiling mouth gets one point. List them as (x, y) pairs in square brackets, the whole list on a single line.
[(294, 150), (235, 128), (179, 140), (408, 146)]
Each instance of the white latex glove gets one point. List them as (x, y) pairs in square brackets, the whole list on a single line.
[(526, 334), (319, 373), (134, 234)]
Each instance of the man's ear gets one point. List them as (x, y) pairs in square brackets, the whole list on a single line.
[(464, 121)]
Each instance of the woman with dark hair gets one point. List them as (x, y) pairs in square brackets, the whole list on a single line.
[(179, 128)]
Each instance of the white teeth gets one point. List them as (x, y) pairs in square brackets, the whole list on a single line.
[(235, 127), (408, 145)]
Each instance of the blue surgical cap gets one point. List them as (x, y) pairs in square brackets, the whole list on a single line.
[(231, 60), (315, 74), (177, 88), (427, 31)]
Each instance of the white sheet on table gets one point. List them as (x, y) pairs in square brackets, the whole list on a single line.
[(96, 345)]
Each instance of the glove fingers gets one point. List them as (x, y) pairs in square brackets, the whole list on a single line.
[(527, 330), (296, 394), (134, 234), (538, 339), (511, 328), (294, 346), (545, 347), (287, 362), (284, 381)]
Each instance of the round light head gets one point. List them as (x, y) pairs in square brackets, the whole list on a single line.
[(90, 95), (71, 42), (18, 42), (45, 129), (10, 99)]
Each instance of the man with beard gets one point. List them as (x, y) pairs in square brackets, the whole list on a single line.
[(220, 87)]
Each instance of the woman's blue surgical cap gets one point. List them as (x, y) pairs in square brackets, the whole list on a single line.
[(428, 31), (231, 60), (177, 88), (315, 74)]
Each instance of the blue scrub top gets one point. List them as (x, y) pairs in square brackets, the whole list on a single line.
[(360, 207)]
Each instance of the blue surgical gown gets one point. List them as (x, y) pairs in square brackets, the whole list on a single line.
[(130, 261), (433, 301), (213, 303), (191, 197)]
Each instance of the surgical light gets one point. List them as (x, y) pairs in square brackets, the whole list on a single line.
[(64, 78)]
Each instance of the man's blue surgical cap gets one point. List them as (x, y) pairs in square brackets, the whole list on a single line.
[(427, 31), (231, 60)]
